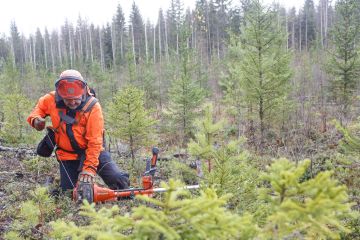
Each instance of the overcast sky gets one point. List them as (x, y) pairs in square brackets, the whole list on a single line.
[(32, 14)]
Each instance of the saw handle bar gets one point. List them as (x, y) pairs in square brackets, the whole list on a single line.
[(151, 163), (155, 152), (150, 172)]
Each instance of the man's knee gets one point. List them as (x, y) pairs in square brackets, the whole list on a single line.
[(117, 180), (104, 157), (122, 180), (111, 174)]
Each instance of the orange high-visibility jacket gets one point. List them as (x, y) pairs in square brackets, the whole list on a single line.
[(88, 131)]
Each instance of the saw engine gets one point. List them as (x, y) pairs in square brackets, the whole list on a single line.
[(96, 194)]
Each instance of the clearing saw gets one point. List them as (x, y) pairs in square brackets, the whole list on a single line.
[(97, 194)]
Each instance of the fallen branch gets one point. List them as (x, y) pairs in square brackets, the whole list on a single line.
[(25, 151), (353, 165)]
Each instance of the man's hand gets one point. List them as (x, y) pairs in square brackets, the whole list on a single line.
[(86, 177), (39, 123)]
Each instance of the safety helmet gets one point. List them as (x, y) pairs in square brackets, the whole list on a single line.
[(70, 85)]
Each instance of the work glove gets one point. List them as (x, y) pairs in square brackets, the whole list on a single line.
[(86, 177), (39, 123)]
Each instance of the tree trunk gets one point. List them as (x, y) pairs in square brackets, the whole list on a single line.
[(91, 46), (113, 45), (133, 44), (59, 50), (193, 35), (208, 37), (102, 59), (262, 124), (323, 107), (52, 56), (287, 32), (13, 54), (132, 151), (146, 46), (80, 45), (121, 44), (160, 40), (45, 53), (31, 55), (325, 22), (218, 43), (321, 23), (293, 36), (25, 50), (154, 47), (300, 34), (177, 40), (166, 43), (34, 51), (306, 31), (70, 49)]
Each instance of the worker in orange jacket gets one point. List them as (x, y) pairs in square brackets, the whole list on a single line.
[(77, 130)]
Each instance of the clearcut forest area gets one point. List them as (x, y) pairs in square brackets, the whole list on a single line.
[(254, 110)]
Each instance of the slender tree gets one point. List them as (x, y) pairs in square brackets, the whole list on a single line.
[(138, 33), (119, 34), (127, 107), (233, 97), (108, 46), (222, 15), (308, 23), (185, 94), (264, 68), (294, 203), (16, 46), (344, 61)]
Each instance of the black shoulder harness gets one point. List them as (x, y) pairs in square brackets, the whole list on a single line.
[(69, 119)]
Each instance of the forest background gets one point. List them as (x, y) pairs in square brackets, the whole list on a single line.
[(223, 76)]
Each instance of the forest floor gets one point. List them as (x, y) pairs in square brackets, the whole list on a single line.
[(21, 173), (13, 179)]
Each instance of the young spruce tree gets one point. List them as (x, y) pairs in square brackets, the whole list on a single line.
[(175, 216), (14, 129), (263, 65), (128, 119), (233, 93), (185, 94), (344, 60), (225, 164), (298, 209), (33, 214)]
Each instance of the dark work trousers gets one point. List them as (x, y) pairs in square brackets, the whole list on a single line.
[(107, 170)]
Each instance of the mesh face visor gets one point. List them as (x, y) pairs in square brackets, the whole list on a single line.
[(70, 88)]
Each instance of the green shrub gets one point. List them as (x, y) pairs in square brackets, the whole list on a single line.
[(176, 216), (312, 209), (33, 215)]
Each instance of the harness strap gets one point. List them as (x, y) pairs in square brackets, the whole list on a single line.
[(70, 133), (66, 118), (69, 119), (89, 104)]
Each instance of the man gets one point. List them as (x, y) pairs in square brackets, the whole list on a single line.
[(78, 126)]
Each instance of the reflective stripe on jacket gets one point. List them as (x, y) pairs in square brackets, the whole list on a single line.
[(88, 131)]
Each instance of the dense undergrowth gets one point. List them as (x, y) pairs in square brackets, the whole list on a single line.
[(242, 196)]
